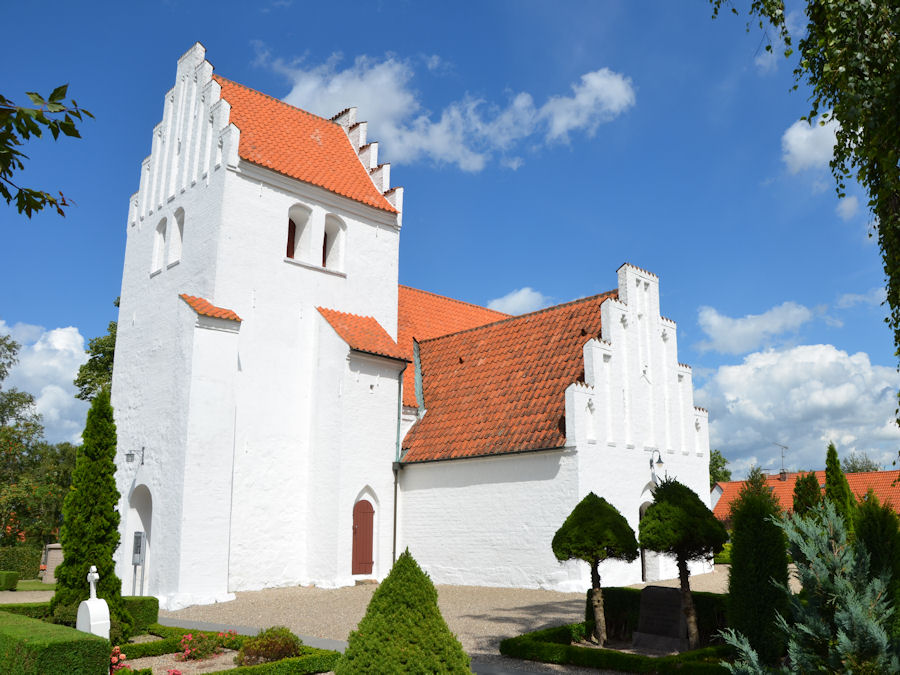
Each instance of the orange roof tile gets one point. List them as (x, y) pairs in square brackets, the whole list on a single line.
[(422, 315), (205, 308), (880, 481), (500, 388), (298, 144), (362, 333)]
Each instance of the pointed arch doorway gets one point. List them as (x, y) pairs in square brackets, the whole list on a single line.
[(363, 526)]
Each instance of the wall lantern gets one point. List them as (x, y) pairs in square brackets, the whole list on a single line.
[(129, 457), (659, 462)]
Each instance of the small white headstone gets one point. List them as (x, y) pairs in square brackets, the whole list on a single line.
[(93, 614)]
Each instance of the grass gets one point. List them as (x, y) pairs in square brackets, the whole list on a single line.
[(34, 585)]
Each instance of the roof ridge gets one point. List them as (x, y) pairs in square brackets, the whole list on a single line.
[(529, 314), (461, 302), (273, 98)]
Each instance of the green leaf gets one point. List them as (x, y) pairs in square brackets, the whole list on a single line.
[(59, 93)]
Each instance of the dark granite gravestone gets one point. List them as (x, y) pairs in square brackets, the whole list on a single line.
[(661, 623)]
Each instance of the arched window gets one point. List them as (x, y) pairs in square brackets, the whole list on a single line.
[(298, 232), (333, 243), (159, 246), (177, 237)]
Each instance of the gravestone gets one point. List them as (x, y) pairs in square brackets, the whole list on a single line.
[(662, 625), (93, 613)]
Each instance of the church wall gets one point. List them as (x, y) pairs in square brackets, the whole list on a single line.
[(490, 521)]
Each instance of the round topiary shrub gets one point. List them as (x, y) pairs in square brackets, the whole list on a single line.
[(271, 644), (403, 630)]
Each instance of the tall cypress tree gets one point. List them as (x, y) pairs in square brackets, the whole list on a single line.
[(807, 494), (90, 530), (837, 489), (758, 556)]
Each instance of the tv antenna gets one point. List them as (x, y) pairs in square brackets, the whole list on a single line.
[(783, 448)]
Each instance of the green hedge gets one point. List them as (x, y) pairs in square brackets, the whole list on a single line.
[(724, 557), (622, 608), (552, 645), (36, 610), (144, 610), (26, 560), (32, 647), (312, 660), (8, 580)]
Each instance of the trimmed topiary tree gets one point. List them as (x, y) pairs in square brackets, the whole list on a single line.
[(807, 493), (877, 529), (837, 489), (758, 556), (90, 530), (679, 524), (595, 531), (403, 630)]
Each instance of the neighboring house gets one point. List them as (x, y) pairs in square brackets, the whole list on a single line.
[(292, 415), (883, 483)]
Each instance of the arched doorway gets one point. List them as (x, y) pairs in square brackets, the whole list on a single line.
[(140, 519), (363, 522)]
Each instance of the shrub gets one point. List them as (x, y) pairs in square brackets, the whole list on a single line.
[(878, 532), (197, 646), (723, 557), (312, 660), (32, 647), (143, 609), (26, 560), (8, 581), (90, 534), (758, 557), (403, 630), (271, 644)]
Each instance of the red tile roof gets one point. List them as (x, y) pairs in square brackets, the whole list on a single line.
[(205, 308), (422, 315), (298, 144), (880, 481), (500, 388), (362, 333)]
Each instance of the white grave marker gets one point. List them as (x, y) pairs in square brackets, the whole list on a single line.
[(93, 614)]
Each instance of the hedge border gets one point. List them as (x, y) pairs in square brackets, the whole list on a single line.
[(8, 580), (24, 559), (144, 611), (33, 647), (553, 645)]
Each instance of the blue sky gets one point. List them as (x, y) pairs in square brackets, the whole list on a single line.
[(540, 147)]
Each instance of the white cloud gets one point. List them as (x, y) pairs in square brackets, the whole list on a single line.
[(803, 397), (520, 301), (767, 61), (806, 146), (847, 208), (874, 297), (48, 363), (467, 132), (738, 336)]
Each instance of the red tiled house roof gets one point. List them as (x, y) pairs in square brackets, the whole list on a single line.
[(205, 308), (422, 316), (362, 333), (880, 481), (298, 144), (500, 388)]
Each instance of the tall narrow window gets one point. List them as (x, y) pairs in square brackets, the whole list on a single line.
[(159, 246), (298, 235), (177, 238), (333, 243)]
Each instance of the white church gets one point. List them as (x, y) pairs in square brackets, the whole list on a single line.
[(289, 414)]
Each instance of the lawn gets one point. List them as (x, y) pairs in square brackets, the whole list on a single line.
[(34, 585)]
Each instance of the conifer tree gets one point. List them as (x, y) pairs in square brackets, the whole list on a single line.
[(595, 531), (837, 489), (877, 530), (807, 493), (90, 530), (679, 524), (403, 630), (758, 556)]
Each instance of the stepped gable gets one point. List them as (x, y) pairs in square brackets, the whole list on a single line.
[(422, 316), (500, 388), (362, 333), (882, 482), (204, 307), (300, 145)]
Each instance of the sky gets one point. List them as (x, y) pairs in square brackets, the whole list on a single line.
[(540, 145)]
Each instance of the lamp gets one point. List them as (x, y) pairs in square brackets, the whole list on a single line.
[(659, 462), (129, 457)]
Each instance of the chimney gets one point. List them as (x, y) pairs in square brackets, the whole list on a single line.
[(782, 476)]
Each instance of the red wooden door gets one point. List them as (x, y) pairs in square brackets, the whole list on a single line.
[(363, 517)]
